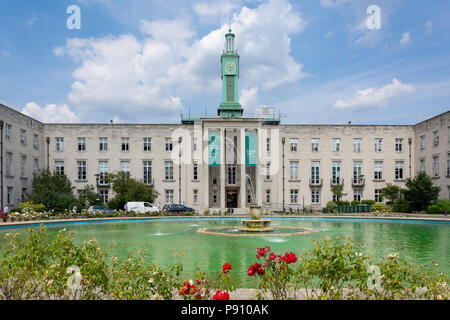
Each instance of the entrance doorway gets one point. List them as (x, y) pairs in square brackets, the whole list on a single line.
[(232, 198)]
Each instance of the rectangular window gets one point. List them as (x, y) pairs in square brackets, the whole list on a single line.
[(59, 167), (103, 169), (315, 144), (422, 165), (59, 144), (315, 172), (194, 144), (399, 168), (81, 143), (336, 172), (81, 170), (268, 196), (398, 145), (436, 166), (378, 170), (168, 170), (125, 166), (357, 195), (195, 170), (195, 196), (315, 196), (35, 141), (357, 172), (357, 145), (169, 196), (104, 195), (294, 144), (23, 166), (147, 144), (436, 138), (147, 169), (8, 132), (169, 145), (231, 173), (422, 143), (378, 197), (214, 197), (336, 144), (9, 195), (35, 167), (293, 170), (103, 144), (8, 164), (267, 170), (268, 146), (125, 144), (294, 196), (448, 165), (23, 195), (378, 142), (23, 137)]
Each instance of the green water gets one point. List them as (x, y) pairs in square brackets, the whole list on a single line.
[(417, 242)]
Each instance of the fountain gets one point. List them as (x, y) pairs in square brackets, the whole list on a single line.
[(256, 224)]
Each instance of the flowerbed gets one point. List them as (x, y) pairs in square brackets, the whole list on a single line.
[(38, 267)]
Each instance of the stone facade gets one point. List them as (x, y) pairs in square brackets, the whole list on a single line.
[(309, 151)]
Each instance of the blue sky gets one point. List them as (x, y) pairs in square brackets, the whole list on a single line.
[(147, 61)]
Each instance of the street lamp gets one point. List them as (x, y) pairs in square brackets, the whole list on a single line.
[(180, 139), (1, 163), (283, 141)]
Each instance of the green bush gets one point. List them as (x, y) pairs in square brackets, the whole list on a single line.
[(380, 207), (38, 207), (369, 202), (343, 203), (355, 203), (401, 205), (439, 206)]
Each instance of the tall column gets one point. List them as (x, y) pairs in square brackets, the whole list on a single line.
[(243, 189), (222, 168), (259, 164)]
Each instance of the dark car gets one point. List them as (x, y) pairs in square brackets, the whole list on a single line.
[(102, 209), (177, 208)]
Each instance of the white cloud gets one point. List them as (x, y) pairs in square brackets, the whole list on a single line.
[(429, 28), (51, 113), (375, 97), (212, 10), (405, 38), (333, 3), (128, 76)]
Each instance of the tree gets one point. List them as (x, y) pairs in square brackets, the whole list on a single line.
[(391, 193), (54, 190), (420, 191), (338, 192), (128, 189), (89, 197)]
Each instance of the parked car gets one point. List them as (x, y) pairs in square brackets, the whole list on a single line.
[(177, 208), (102, 209), (141, 207)]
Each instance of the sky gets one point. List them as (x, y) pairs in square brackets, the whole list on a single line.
[(147, 61)]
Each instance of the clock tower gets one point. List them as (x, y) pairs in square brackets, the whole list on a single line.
[(230, 106)]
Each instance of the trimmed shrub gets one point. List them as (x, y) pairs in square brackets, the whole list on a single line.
[(355, 202), (439, 206), (380, 207), (38, 207), (369, 202)]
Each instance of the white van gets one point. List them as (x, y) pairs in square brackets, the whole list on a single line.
[(141, 207)]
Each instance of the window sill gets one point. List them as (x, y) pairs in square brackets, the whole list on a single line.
[(267, 180), (9, 177), (399, 180), (83, 180), (378, 180), (168, 180), (294, 180), (195, 180), (435, 177), (23, 178)]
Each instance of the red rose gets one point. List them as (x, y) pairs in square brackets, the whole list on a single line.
[(273, 256), (253, 269), (226, 267), (221, 295)]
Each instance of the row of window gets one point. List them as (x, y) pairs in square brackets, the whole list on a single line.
[(22, 137), (103, 144), (336, 171), (435, 140), (23, 165), (435, 166), (315, 196), (336, 144), (10, 195)]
